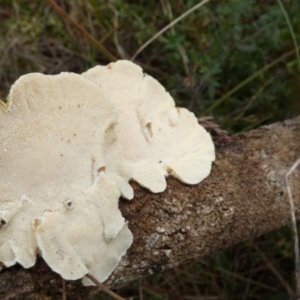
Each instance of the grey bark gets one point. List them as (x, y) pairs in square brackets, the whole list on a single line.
[(245, 196)]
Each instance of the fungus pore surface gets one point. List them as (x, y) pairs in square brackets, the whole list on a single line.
[(61, 176), (158, 138)]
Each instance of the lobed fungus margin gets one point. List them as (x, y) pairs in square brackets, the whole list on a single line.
[(69, 144)]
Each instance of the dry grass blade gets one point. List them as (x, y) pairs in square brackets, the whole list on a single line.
[(154, 37), (119, 48), (83, 32), (294, 227), (276, 272), (103, 288)]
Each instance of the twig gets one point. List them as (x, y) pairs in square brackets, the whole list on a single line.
[(294, 228), (154, 37), (103, 288), (7, 13), (64, 293), (83, 32)]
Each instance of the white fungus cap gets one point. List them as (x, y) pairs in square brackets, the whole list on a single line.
[(59, 184), (158, 138)]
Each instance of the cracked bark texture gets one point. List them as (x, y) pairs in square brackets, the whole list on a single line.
[(244, 196)]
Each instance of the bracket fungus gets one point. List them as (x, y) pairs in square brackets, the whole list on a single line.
[(69, 144), (158, 138), (61, 175)]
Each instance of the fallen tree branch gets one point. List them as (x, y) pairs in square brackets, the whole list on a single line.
[(245, 196)]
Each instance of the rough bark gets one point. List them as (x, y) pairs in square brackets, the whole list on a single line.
[(245, 196)]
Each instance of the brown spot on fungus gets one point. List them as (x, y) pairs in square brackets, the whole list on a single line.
[(101, 169), (2, 223), (149, 128)]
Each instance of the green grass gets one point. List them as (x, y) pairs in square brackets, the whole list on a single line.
[(231, 59)]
